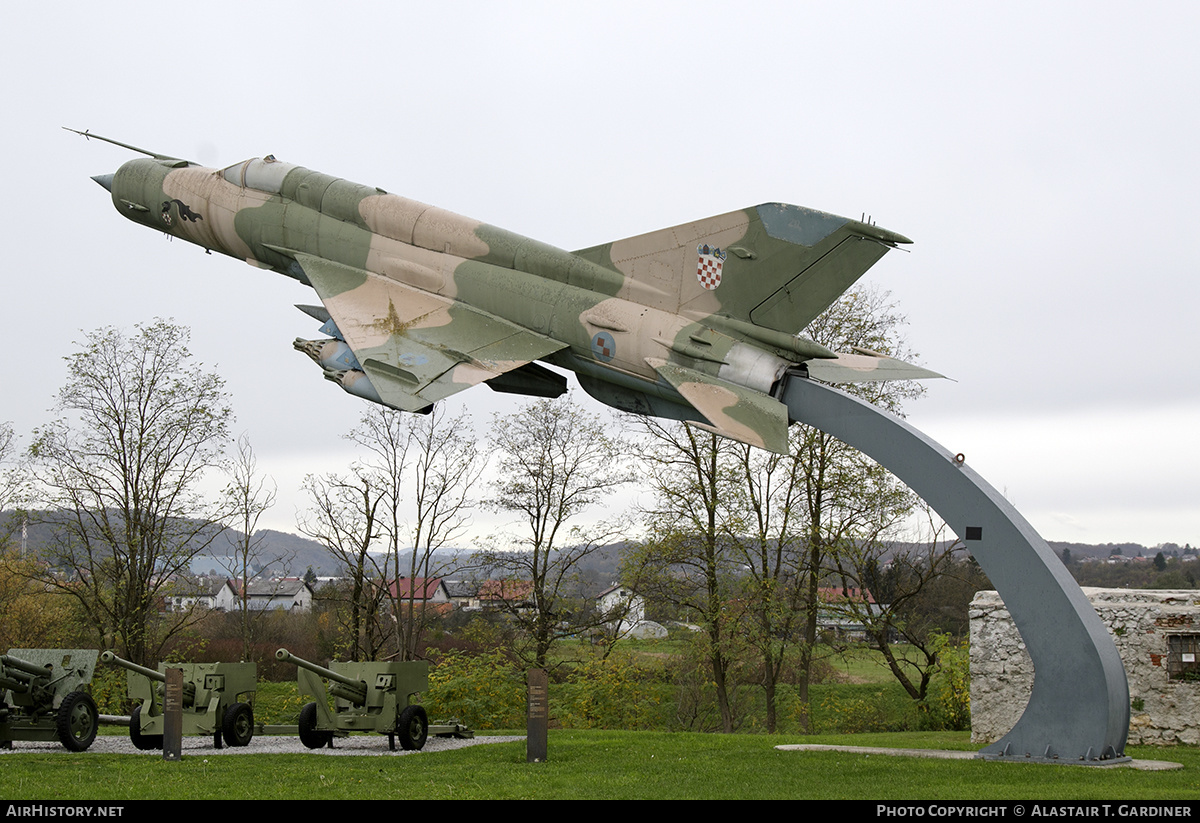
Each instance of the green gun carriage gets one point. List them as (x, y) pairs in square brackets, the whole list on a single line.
[(217, 700), (42, 697), (368, 697)]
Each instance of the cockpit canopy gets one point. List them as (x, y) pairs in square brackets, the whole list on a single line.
[(263, 174)]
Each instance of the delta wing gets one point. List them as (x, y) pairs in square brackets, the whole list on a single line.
[(418, 347)]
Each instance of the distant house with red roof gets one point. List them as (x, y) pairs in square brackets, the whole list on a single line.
[(512, 594), (849, 594), (419, 589), (840, 607), (421, 593)]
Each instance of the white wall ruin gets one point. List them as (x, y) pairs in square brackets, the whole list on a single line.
[(1157, 633)]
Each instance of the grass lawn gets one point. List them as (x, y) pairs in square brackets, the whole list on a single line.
[(600, 765)]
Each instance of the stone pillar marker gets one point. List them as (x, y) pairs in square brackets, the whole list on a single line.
[(537, 718), (173, 715)]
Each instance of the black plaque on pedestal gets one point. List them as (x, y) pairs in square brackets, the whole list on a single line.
[(173, 715), (538, 717)]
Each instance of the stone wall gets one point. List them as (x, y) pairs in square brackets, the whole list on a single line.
[(1153, 630)]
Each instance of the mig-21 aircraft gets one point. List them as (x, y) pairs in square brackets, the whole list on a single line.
[(698, 322)]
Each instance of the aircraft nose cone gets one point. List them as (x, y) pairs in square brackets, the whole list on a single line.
[(104, 180)]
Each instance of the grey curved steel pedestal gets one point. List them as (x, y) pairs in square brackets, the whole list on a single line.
[(1079, 707)]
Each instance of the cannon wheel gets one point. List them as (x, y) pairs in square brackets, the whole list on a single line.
[(310, 735), (412, 728), (77, 721), (238, 725), (142, 742)]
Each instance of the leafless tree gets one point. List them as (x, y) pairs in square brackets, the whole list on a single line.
[(426, 466), (844, 499), (410, 488), (383, 438), (344, 516), (555, 462), (845, 496), (118, 471), (744, 537), (765, 533), (248, 496), (899, 578), (12, 485), (446, 462)]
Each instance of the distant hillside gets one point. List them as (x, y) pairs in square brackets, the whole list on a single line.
[(297, 553), (288, 554), (1080, 551)]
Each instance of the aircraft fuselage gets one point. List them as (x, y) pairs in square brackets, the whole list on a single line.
[(697, 322)]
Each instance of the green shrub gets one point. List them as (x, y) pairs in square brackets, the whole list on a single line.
[(484, 691), (109, 690), (947, 706), (279, 703), (845, 708), (854, 716), (610, 693)]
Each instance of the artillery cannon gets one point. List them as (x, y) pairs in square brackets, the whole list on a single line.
[(368, 697), (41, 697), (211, 700)]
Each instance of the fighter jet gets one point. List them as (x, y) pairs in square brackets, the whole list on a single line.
[(699, 322)]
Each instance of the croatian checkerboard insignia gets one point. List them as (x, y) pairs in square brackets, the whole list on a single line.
[(708, 267)]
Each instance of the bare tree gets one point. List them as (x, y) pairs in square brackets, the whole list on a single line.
[(555, 462), (344, 516), (844, 497), (383, 437), (766, 535), (247, 497), (426, 466), (446, 463), (771, 522), (410, 487), (119, 471)]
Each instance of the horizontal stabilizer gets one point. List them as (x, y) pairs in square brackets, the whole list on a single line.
[(865, 367), (733, 411)]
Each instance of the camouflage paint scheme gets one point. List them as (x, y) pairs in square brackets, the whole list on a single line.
[(697, 322)]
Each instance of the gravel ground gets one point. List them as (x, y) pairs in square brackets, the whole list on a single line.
[(355, 744)]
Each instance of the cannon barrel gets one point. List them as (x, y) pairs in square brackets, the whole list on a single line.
[(17, 663), (15, 684), (25, 678), (109, 657), (354, 690), (189, 688)]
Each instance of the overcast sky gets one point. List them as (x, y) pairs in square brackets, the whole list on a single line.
[(1042, 156)]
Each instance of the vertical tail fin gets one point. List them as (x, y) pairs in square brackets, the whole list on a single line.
[(773, 265)]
